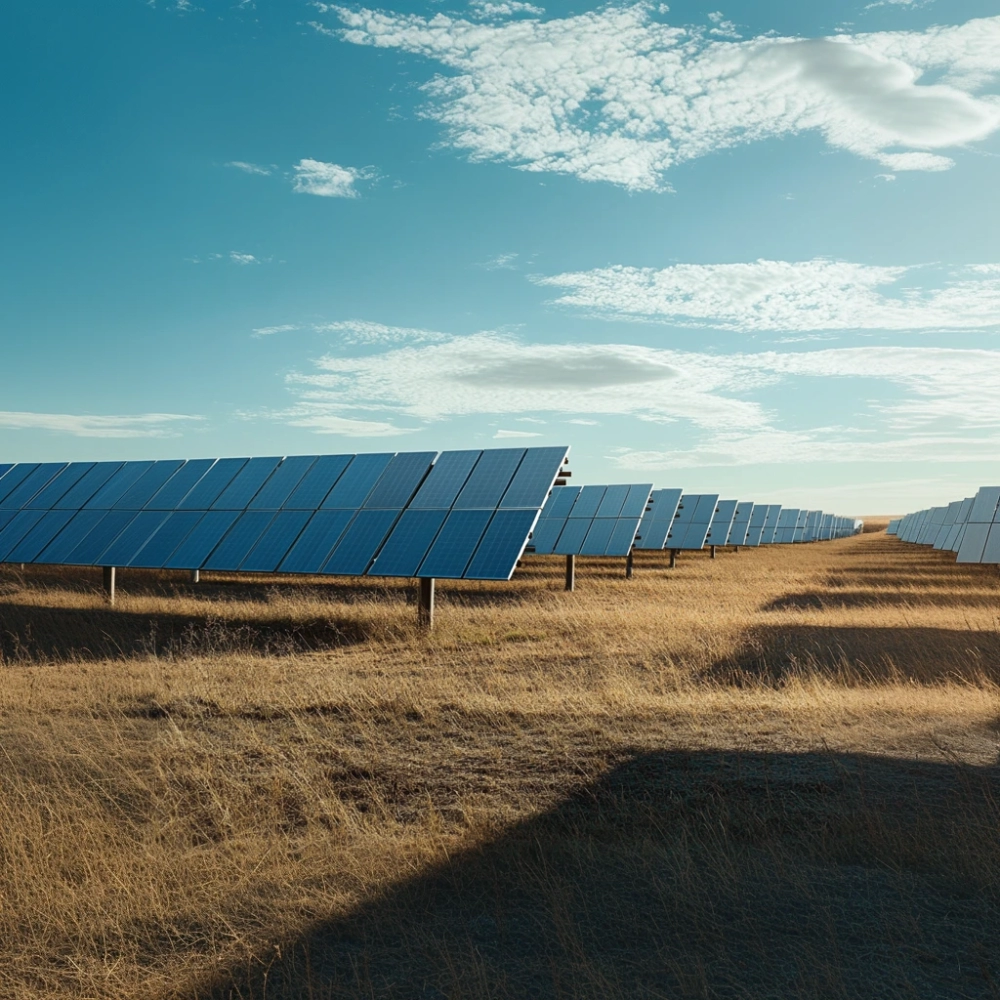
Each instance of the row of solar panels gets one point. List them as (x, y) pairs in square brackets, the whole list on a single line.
[(970, 528), (612, 520), (460, 514)]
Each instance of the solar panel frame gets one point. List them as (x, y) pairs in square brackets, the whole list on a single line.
[(246, 484), (211, 485), (402, 478), (535, 476), (282, 483), (445, 480), (32, 484), (13, 479), (357, 481), (637, 500), (170, 495)]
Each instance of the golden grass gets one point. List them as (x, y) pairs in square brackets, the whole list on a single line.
[(772, 774)]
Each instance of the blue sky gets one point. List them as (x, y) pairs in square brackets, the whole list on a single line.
[(751, 249)]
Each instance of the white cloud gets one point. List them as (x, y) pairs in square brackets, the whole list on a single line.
[(359, 331), (328, 423), (615, 95), (243, 258), (502, 434), (501, 262), (505, 8), (143, 425), (250, 168), (329, 180), (782, 295), (267, 331)]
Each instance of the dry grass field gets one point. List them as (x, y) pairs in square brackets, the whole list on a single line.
[(770, 775)]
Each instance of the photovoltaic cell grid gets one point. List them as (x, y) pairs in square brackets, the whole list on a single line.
[(591, 520), (695, 514), (463, 514)]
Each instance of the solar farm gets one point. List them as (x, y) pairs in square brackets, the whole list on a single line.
[(657, 743)]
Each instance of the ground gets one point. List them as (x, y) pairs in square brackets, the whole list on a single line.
[(774, 774)]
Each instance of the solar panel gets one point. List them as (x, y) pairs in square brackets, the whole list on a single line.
[(991, 551), (546, 534), (318, 482), (455, 544), (401, 479), (588, 502), (535, 475), (48, 526), (245, 484), (574, 534), (197, 546), (614, 500), (127, 545), (623, 537), (179, 484), (357, 481), (502, 545), (409, 542), (32, 483), (16, 528), (598, 537), (318, 538), (690, 526), (210, 486), (89, 550), (658, 520), (770, 524), (59, 485), (445, 480), (5, 467), (158, 549), (58, 550), (283, 482), (361, 542), (275, 542), (235, 546), (147, 485), (117, 485), (87, 485), (488, 482), (6, 516), (973, 543), (13, 479), (561, 502), (637, 500), (721, 522), (741, 523)]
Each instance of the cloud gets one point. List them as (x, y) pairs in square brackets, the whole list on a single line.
[(358, 331), (768, 295), (501, 262), (329, 180), (267, 331), (502, 434), (234, 256), (144, 425), (615, 95), (250, 168), (505, 8), (329, 423)]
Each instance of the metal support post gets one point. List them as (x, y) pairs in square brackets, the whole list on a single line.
[(109, 583), (571, 572), (711, 554), (673, 558), (425, 609), (195, 575), (736, 548), (629, 565)]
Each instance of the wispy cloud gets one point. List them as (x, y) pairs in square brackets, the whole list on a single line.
[(789, 296), (251, 168), (359, 331), (234, 257), (329, 180), (267, 331), (321, 421), (501, 262), (502, 434), (616, 95), (143, 425)]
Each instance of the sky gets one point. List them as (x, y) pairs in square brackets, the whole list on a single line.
[(751, 249)]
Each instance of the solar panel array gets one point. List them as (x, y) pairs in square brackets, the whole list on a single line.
[(457, 515), (591, 520), (970, 527)]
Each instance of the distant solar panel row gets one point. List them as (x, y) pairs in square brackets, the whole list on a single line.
[(591, 520), (461, 514), (970, 528)]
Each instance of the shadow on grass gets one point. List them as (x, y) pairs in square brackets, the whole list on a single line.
[(832, 599), (680, 875)]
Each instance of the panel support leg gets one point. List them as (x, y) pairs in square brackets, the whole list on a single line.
[(425, 606), (109, 583), (673, 558), (629, 566), (571, 572), (195, 575), (736, 548), (711, 553)]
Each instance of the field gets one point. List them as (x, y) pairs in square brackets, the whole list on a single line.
[(770, 775)]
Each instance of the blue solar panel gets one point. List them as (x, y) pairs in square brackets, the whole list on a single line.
[(588, 502), (171, 533), (51, 523), (318, 482), (5, 467), (409, 542), (445, 480), (401, 479), (32, 484), (142, 491), (316, 542), (13, 479), (88, 484), (622, 537), (561, 502), (238, 494), (573, 536), (637, 500), (285, 478), (125, 547), (534, 478), (5, 516), (89, 551), (179, 484), (272, 546), (356, 482), (614, 500), (58, 550), (490, 478), (361, 542), (210, 486), (455, 544), (502, 545), (546, 534), (652, 533), (16, 528), (598, 536), (119, 484), (201, 540), (59, 485), (239, 540)]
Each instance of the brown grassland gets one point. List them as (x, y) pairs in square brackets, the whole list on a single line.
[(770, 775)]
